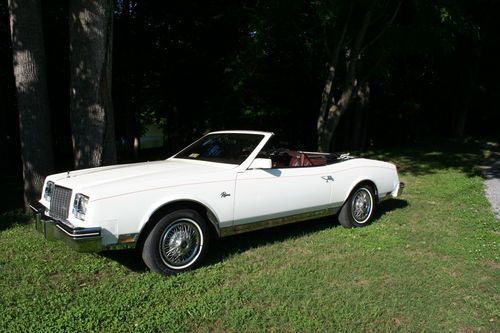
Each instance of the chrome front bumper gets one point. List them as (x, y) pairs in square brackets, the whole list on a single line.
[(79, 239)]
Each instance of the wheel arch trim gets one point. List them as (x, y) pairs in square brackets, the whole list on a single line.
[(149, 219), (359, 182)]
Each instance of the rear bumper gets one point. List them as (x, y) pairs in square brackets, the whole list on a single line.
[(79, 239)]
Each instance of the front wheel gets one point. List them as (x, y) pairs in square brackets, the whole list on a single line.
[(358, 210), (177, 243)]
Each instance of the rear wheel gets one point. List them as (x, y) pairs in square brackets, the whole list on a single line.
[(358, 210), (177, 243)]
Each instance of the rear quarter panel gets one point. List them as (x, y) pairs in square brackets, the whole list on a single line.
[(350, 173)]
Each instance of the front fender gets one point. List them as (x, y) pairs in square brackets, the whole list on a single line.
[(177, 198)]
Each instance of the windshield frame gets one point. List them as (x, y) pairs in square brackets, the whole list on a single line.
[(265, 136)]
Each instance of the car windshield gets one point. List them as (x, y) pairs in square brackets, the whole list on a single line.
[(231, 148)]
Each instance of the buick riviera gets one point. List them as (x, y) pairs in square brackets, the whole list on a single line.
[(225, 183)]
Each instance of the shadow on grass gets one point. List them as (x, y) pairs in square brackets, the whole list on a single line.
[(467, 157), (13, 218), (388, 206), (129, 258), (11, 198), (228, 246), (492, 167)]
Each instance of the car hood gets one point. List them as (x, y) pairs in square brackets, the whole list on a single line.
[(137, 175)]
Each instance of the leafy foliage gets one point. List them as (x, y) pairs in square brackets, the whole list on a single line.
[(196, 66)]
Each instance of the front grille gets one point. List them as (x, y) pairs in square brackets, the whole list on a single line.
[(59, 202)]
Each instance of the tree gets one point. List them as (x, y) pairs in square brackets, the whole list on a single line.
[(352, 41), (91, 107), (32, 101)]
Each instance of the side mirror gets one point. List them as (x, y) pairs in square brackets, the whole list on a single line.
[(261, 163)]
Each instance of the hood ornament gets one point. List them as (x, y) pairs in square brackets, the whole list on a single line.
[(67, 175)]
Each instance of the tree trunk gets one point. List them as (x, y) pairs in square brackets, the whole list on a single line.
[(333, 109), (91, 107), (359, 127), (328, 97), (32, 98), (467, 83), (329, 120), (4, 136)]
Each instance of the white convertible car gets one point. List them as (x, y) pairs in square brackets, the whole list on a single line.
[(225, 183)]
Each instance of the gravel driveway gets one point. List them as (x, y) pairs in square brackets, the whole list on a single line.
[(492, 182)]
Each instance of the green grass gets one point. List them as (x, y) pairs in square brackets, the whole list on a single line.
[(430, 262)]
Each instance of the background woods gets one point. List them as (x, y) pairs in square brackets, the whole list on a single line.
[(81, 81)]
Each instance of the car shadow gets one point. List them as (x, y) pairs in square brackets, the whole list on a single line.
[(388, 206), (129, 258), (229, 246)]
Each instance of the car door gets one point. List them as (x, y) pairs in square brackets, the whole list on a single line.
[(265, 194)]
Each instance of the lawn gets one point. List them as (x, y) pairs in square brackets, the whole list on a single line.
[(429, 262)]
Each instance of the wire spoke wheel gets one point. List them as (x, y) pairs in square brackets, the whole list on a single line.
[(181, 243), (178, 242), (361, 205)]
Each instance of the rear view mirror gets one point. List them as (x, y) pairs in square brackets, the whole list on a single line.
[(261, 163)]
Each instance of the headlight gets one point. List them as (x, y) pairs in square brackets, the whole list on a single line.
[(80, 206), (47, 194)]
